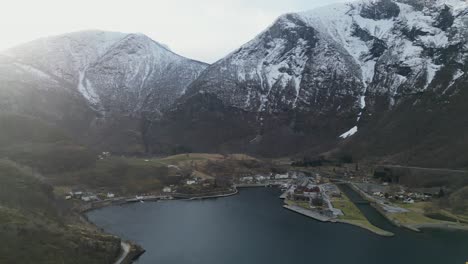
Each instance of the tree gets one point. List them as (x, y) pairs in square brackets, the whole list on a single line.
[(441, 193)]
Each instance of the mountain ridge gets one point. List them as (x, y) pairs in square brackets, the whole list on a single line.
[(321, 76), (71, 56)]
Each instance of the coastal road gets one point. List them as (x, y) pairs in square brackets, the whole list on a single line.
[(126, 250)]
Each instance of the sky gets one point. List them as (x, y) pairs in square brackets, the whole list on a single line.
[(204, 30)]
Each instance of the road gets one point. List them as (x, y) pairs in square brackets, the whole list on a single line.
[(429, 169), (126, 249)]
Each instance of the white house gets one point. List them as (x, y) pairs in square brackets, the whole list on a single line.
[(167, 189), (191, 182), (245, 179), (110, 195), (260, 178), (89, 198), (76, 194), (281, 176)]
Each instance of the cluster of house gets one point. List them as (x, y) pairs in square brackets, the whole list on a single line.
[(88, 196), (199, 181), (271, 176), (250, 179), (410, 197)]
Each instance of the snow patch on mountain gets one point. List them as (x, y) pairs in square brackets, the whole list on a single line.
[(457, 75), (85, 87), (349, 133)]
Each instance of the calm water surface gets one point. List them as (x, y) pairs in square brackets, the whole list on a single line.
[(252, 227)]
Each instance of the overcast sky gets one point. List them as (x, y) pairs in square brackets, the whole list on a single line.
[(205, 30)]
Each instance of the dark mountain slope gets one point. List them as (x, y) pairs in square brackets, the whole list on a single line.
[(426, 130), (35, 230)]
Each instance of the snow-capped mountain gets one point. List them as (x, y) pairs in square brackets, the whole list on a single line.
[(95, 85), (333, 57), (127, 73), (315, 78), (367, 76)]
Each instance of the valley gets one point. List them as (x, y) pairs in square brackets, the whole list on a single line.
[(87, 180), (353, 113)]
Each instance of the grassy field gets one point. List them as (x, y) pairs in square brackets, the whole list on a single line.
[(302, 204), (353, 215), (412, 218), (426, 213)]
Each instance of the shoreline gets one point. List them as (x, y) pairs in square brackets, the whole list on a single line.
[(307, 213), (236, 191), (135, 251), (443, 226), (324, 219), (383, 233)]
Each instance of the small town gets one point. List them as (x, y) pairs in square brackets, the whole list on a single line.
[(322, 198)]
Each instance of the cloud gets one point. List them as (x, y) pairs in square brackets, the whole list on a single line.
[(203, 29)]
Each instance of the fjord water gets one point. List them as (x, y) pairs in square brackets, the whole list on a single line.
[(253, 227)]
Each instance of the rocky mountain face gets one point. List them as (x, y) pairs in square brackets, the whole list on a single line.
[(318, 77), (98, 85)]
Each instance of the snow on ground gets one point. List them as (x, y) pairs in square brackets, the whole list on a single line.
[(456, 5), (363, 102), (86, 89), (457, 75), (432, 69), (336, 23), (351, 132)]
